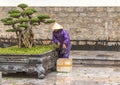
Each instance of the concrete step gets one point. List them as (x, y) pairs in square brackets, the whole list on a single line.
[(104, 58)]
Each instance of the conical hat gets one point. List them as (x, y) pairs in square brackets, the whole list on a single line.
[(56, 26)]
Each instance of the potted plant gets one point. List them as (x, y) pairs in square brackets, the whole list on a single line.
[(22, 22)]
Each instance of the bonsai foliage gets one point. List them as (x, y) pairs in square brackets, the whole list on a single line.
[(22, 22)]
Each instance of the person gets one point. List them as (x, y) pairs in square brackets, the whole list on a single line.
[(62, 39)]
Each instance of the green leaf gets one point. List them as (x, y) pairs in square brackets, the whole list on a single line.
[(15, 15), (23, 6), (32, 9), (43, 16), (35, 19), (23, 25), (13, 11), (10, 30), (29, 11), (10, 22), (23, 19), (6, 19)]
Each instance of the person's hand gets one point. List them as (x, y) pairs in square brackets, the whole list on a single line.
[(64, 46), (58, 43)]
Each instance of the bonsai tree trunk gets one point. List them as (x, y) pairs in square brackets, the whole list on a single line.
[(25, 38)]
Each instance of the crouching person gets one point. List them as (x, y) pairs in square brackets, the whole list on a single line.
[(62, 39)]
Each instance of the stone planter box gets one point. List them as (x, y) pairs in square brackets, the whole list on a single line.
[(41, 64), (0, 78)]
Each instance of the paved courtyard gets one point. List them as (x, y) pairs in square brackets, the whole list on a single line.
[(80, 75)]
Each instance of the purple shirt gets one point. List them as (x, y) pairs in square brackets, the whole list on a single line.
[(62, 36)]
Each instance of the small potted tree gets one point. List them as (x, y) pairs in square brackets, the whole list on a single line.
[(22, 22)]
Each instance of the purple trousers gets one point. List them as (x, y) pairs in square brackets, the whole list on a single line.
[(64, 53)]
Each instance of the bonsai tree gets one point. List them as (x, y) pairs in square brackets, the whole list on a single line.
[(22, 22)]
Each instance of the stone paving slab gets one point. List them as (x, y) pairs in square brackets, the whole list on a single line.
[(109, 58), (100, 55), (95, 53), (78, 76)]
